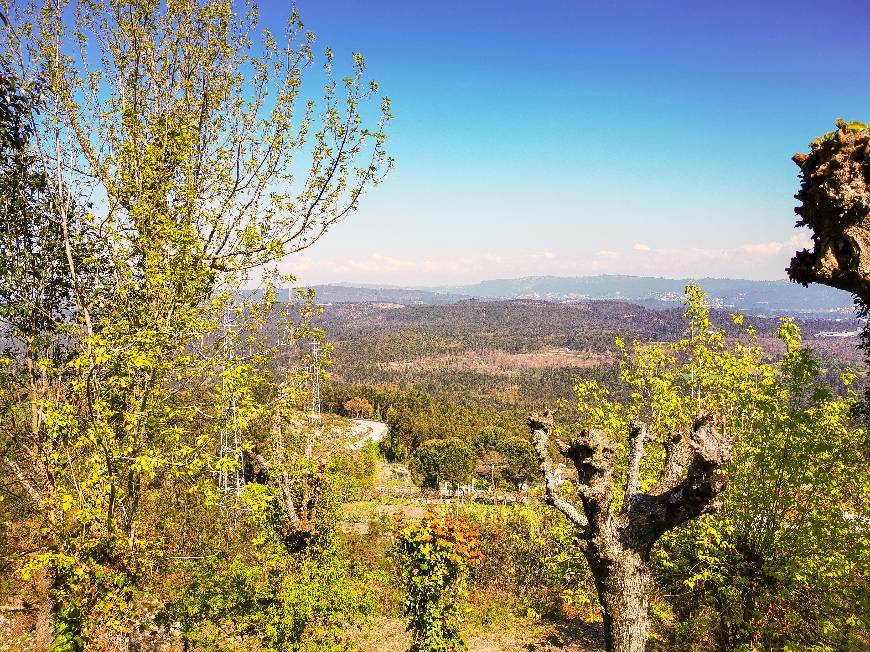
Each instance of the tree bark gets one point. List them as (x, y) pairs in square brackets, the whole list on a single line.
[(623, 588), (835, 205)]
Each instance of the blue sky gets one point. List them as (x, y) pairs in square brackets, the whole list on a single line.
[(573, 138)]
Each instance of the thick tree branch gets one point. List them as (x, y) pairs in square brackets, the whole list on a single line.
[(651, 515), (637, 435), (23, 480), (678, 455), (594, 457), (540, 425)]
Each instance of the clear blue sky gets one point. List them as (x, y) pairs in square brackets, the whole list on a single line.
[(587, 137)]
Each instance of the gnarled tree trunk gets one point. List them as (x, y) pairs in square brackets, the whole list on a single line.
[(835, 204), (617, 543)]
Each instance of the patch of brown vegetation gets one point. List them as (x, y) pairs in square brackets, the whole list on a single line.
[(502, 362)]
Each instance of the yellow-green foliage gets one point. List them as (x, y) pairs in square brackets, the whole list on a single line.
[(784, 563), (177, 125), (852, 127), (668, 384), (787, 552)]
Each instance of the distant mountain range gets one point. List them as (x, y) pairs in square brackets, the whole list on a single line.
[(373, 294), (753, 297)]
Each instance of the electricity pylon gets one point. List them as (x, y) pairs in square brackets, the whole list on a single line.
[(231, 481), (314, 417)]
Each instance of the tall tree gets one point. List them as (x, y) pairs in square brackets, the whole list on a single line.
[(37, 312), (179, 128)]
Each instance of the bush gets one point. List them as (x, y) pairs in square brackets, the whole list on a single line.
[(274, 602), (434, 555)]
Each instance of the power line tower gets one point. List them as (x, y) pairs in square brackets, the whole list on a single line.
[(231, 481), (315, 418)]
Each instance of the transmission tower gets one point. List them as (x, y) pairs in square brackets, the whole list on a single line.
[(314, 417), (231, 482)]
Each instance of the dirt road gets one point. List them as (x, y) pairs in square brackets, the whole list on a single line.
[(366, 430)]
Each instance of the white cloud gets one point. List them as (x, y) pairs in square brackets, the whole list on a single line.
[(795, 243), (749, 260)]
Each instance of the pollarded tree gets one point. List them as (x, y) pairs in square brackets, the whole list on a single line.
[(617, 541), (648, 465), (835, 205), (295, 469)]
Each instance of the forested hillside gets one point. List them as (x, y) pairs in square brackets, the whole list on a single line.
[(521, 353), (194, 458)]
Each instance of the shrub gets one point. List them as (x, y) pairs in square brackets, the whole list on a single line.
[(434, 555)]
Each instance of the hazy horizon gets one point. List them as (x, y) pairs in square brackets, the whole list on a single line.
[(367, 284), (769, 259)]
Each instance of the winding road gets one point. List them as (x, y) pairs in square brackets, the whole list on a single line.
[(365, 431)]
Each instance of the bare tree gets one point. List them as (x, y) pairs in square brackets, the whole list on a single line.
[(617, 541)]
